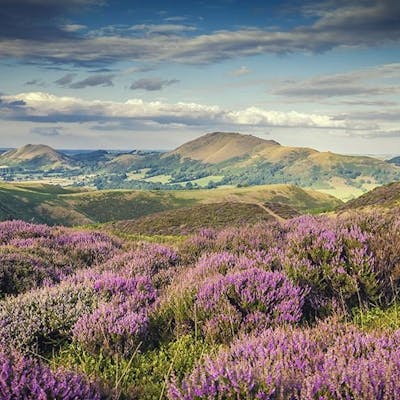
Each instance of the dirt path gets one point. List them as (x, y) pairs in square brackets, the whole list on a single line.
[(269, 211)]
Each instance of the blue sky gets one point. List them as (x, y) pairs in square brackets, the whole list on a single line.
[(154, 74)]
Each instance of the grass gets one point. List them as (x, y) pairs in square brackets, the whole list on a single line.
[(377, 318)]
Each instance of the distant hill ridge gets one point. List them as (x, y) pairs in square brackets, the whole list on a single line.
[(216, 147), (35, 156)]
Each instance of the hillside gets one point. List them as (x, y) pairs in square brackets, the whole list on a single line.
[(386, 196), (237, 159), (55, 205), (395, 160), (36, 157), (217, 147), (192, 219)]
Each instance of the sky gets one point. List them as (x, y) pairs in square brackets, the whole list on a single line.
[(118, 74)]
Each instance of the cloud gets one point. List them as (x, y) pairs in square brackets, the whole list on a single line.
[(37, 19), (240, 71), (73, 27), (65, 80), (336, 25), (47, 131), (35, 82), (369, 81), (162, 29), (45, 107), (95, 80), (152, 84)]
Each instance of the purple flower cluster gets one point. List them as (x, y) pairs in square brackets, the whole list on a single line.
[(38, 319), (250, 299), (24, 378), (34, 255), (119, 324), (329, 361)]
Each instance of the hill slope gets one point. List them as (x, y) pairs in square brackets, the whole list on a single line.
[(55, 205), (248, 160), (38, 157), (215, 215), (386, 196)]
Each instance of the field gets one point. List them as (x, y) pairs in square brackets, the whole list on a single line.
[(274, 308)]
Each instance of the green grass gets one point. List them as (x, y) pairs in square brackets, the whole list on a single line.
[(377, 318), (141, 376)]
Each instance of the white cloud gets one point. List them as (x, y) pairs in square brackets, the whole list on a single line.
[(243, 70), (45, 107)]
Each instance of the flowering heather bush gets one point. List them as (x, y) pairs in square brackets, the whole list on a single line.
[(332, 259), (10, 230), (327, 362), (20, 272), (251, 299), (120, 324), (153, 260), (234, 240), (87, 247), (24, 378), (42, 318), (31, 255)]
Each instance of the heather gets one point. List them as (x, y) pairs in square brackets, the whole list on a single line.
[(32, 255), (302, 309)]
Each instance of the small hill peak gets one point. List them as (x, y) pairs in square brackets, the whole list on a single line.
[(216, 147)]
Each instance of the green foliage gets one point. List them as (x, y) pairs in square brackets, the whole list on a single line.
[(144, 375), (377, 318)]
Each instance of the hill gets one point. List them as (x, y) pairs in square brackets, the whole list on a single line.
[(217, 147), (395, 160), (55, 205), (237, 159), (386, 196), (36, 157), (215, 215)]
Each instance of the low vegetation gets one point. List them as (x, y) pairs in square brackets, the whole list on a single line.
[(305, 308)]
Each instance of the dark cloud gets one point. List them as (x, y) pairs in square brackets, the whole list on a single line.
[(38, 19), (152, 84), (47, 131), (65, 80), (336, 24), (95, 80), (35, 82)]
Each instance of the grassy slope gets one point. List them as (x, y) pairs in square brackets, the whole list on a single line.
[(56, 205), (386, 196)]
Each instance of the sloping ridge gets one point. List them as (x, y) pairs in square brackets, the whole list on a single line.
[(383, 196), (217, 147), (35, 156)]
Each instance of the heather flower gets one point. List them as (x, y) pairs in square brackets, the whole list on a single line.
[(39, 319), (121, 323), (330, 361), (249, 299), (24, 378)]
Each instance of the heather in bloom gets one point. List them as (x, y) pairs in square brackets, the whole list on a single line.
[(153, 260), (27, 379), (42, 318), (335, 261), (327, 362), (120, 323), (20, 272), (250, 299)]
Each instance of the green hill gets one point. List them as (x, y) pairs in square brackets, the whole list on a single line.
[(386, 196), (55, 205), (237, 159)]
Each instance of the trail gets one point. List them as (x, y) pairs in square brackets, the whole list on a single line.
[(269, 211)]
